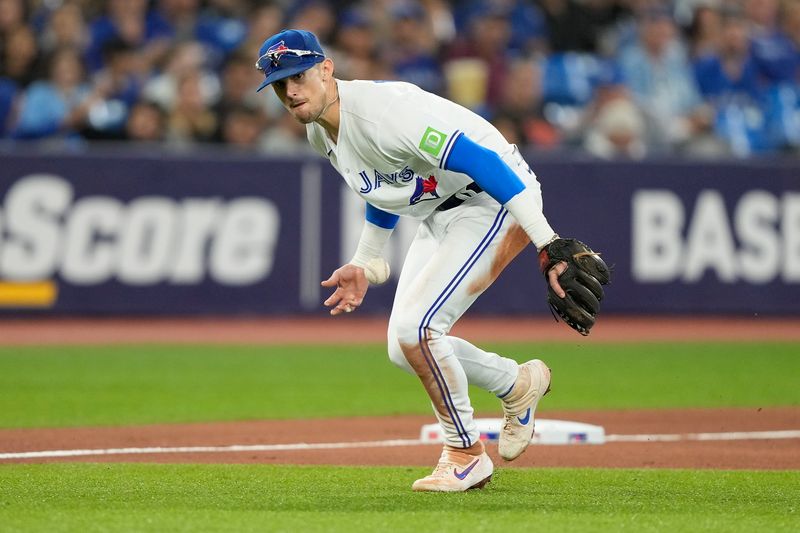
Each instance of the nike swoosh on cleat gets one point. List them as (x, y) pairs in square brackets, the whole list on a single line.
[(527, 418), (466, 471)]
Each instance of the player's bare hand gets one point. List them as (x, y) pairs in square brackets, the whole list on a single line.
[(552, 277), (351, 287)]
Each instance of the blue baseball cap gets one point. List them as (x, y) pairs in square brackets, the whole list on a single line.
[(288, 53)]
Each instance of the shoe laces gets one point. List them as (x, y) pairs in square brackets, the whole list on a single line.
[(509, 421), (442, 469), (444, 465)]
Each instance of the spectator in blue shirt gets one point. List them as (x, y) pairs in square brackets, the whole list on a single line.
[(121, 86), (58, 105), (411, 49), (731, 72), (659, 75), (132, 22), (773, 51), (728, 80), (222, 29), (782, 107)]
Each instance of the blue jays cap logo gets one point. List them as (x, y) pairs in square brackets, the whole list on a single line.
[(277, 48), (288, 53)]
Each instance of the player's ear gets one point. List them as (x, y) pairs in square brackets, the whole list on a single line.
[(327, 69)]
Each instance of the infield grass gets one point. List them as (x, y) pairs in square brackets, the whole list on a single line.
[(71, 386), (117, 385), (141, 497)]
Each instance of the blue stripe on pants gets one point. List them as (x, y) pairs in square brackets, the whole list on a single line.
[(437, 304)]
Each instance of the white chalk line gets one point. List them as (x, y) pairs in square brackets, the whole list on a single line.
[(664, 437), (216, 449), (733, 435)]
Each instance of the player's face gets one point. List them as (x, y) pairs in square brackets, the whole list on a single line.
[(303, 94)]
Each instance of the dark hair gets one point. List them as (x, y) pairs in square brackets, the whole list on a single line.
[(115, 47)]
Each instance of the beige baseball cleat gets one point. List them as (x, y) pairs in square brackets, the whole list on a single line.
[(456, 472), (519, 408)]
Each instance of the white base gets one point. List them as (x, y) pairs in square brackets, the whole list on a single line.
[(546, 432)]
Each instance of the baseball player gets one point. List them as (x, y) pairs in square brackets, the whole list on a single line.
[(407, 152)]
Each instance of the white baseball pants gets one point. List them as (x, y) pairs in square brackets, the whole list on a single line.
[(454, 257)]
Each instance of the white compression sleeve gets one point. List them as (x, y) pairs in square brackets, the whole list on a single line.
[(526, 207), (370, 245)]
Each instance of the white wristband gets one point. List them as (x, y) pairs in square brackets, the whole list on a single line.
[(370, 245), (526, 207)]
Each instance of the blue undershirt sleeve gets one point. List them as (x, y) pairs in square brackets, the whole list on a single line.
[(382, 219), (485, 168)]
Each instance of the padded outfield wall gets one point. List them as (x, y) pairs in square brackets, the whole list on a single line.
[(214, 233)]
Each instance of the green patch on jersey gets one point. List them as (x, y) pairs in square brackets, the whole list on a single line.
[(432, 141)]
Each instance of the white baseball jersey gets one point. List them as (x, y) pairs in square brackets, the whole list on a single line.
[(393, 143), (394, 140)]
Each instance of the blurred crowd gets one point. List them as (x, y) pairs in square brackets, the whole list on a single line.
[(614, 78)]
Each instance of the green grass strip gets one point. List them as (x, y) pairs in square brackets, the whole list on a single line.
[(141, 497), (115, 385)]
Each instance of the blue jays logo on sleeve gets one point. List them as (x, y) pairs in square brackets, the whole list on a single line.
[(425, 189)]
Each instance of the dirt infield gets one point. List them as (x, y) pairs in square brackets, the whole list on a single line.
[(749, 454), (354, 329), (682, 453)]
